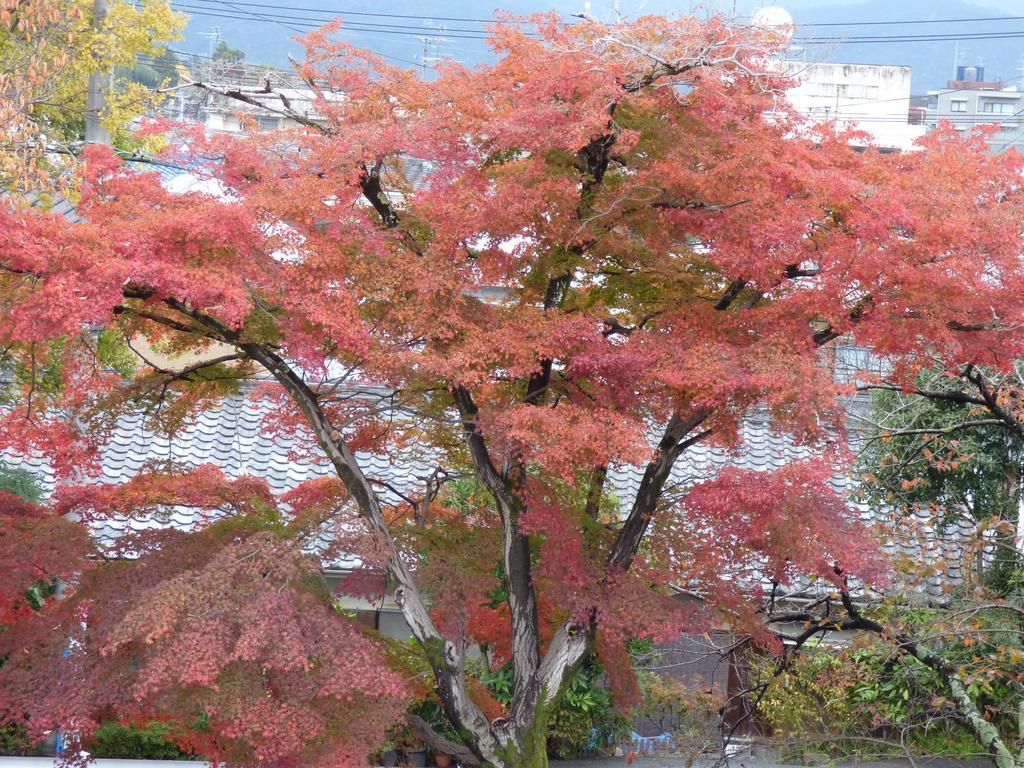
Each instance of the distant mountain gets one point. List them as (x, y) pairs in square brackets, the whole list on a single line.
[(932, 62), (429, 33), (418, 32)]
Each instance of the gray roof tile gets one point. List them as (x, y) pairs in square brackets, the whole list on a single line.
[(230, 437)]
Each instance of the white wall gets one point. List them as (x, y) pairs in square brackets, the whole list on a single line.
[(870, 97)]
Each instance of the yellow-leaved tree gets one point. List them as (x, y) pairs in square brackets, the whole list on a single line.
[(48, 50)]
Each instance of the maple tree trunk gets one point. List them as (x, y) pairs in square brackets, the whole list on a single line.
[(522, 749), (531, 751)]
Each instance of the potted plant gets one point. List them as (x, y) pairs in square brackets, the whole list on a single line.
[(416, 757), (412, 752), (430, 712)]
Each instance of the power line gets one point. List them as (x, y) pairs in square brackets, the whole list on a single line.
[(377, 26), (922, 38), (421, 17), (313, 23), (380, 27), (908, 21), (407, 38), (238, 10), (340, 12), (473, 34), (420, 28), (970, 120), (260, 16)]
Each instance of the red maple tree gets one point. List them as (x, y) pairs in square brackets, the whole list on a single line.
[(624, 234)]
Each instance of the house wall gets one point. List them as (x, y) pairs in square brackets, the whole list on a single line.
[(384, 615)]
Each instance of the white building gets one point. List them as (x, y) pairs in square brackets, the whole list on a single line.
[(870, 97)]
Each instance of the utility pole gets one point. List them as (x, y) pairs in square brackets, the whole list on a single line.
[(428, 60), (99, 84), (213, 36)]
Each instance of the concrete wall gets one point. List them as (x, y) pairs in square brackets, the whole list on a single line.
[(869, 97)]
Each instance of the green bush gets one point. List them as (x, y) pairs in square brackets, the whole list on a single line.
[(14, 742), (21, 483), (585, 720), (125, 741), (864, 701)]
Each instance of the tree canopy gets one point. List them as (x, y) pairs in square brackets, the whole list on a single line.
[(48, 50), (626, 246)]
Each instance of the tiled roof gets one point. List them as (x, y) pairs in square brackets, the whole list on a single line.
[(231, 436), (58, 205)]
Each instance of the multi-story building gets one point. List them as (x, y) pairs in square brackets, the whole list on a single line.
[(971, 101), (869, 97)]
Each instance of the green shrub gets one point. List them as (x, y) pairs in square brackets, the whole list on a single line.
[(585, 720), (21, 483), (865, 701), (125, 741), (14, 742)]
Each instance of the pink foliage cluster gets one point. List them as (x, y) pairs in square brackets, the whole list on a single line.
[(226, 634)]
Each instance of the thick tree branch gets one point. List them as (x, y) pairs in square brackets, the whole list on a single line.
[(522, 599), (446, 658), (251, 96), (792, 272), (564, 654), (696, 205), (598, 476), (990, 397), (375, 194), (167, 322), (673, 442), (439, 743), (987, 733), (571, 642), (953, 396), (734, 289)]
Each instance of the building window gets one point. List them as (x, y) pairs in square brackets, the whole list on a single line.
[(958, 106), (998, 107), (826, 89)]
